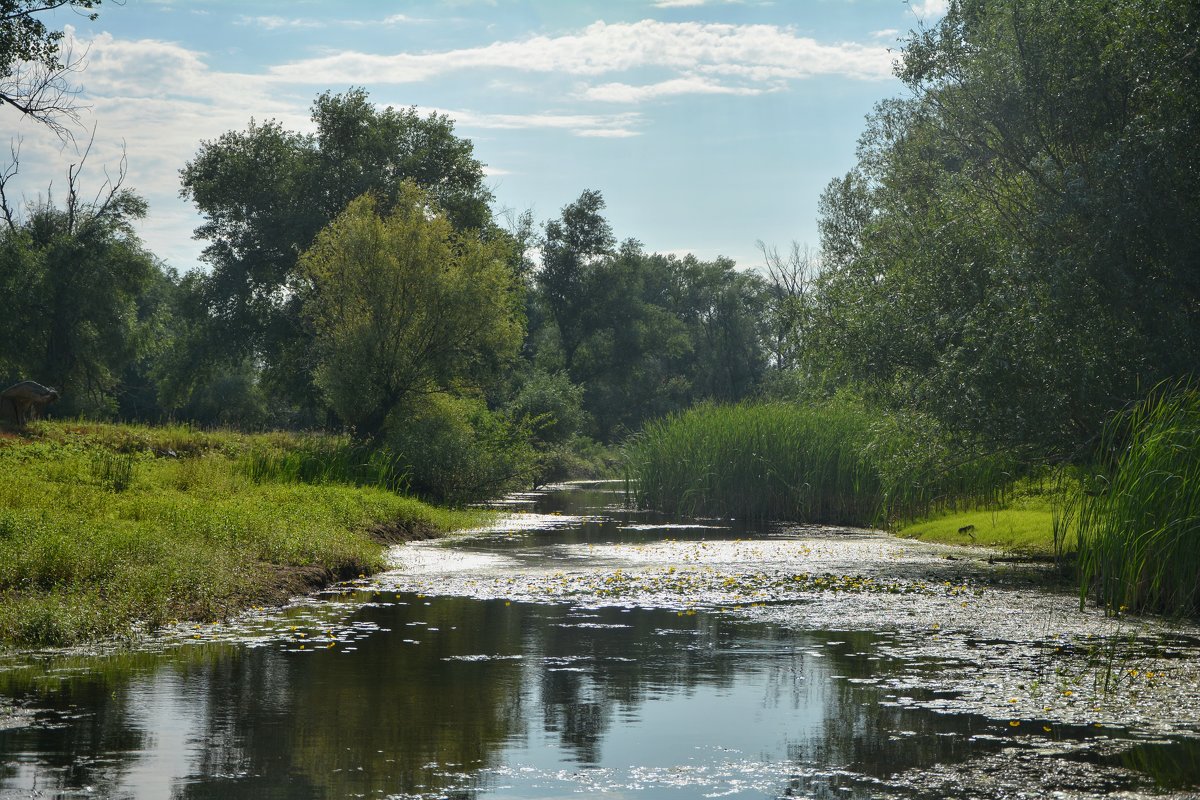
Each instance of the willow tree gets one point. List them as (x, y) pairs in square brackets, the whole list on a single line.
[(405, 306)]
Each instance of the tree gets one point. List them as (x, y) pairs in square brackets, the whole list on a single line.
[(1015, 251), (406, 306), (573, 244), (643, 334), (34, 69), (266, 192), (73, 277)]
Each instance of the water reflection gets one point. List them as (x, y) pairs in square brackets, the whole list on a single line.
[(459, 697)]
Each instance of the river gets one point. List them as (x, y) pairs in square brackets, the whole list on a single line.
[(579, 649)]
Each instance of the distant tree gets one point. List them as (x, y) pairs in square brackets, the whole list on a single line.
[(405, 306), (642, 334), (34, 68), (790, 286), (72, 277), (573, 244)]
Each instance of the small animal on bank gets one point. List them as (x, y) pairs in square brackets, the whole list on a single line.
[(28, 400)]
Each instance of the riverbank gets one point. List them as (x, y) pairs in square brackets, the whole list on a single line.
[(113, 530), (1023, 526)]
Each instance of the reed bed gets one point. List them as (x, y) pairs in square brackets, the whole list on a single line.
[(837, 462), (323, 460), (1138, 517)]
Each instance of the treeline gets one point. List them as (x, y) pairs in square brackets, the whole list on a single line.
[(357, 278), (1017, 251), (1009, 284)]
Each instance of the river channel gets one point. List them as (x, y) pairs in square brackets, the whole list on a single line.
[(582, 649)]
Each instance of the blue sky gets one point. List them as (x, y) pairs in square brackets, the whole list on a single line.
[(708, 125)]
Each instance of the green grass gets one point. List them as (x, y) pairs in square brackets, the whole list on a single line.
[(109, 529), (1138, 517), (834, 462), (1021, 528), (1028, 521)]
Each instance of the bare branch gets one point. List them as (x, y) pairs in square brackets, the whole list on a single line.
[(10, 172), (46, 93)]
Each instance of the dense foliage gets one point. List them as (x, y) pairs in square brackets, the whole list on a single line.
[(1016, 250), (837, 461)]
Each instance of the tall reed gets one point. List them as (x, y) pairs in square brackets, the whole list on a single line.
[(1139, 517), (322, 460), (836, 462)]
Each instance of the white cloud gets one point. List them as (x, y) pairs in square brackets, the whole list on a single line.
[(886, 33), (273, 23), (624, 93), (748, 51), (926, 9), (594, 125), (678, 3)]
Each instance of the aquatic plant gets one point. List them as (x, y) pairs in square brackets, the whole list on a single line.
[(836, 462), (1138, 515)]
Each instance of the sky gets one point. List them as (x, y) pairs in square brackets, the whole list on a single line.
[(707, 125)]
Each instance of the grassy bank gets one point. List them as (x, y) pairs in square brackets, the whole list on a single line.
[(109, 529), (1023, 526)]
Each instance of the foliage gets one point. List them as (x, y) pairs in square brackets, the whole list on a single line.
[(452, 449), (1139, 518), (552, 405), (404, 306), (322, 459), (33, 66), (265, 193), (74, 278), (1014, 252), (835, 462), (103, 531), (644, 335)]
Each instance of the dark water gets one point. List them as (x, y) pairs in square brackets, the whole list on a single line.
[(459, 697)]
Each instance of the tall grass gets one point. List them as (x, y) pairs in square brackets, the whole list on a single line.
[(322, 460), (1139, 517), (836, 462)]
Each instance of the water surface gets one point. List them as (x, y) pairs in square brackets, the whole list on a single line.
[(588, 649)]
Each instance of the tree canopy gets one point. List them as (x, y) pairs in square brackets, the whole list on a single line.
[(266, 192), (1016, 249), (405, 306)]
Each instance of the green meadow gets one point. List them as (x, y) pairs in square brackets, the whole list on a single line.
[(108, 530)]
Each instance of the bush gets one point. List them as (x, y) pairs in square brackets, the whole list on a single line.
[(453, 449)]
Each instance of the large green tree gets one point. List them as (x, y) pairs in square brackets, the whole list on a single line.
[(1017, 249), (404, 306), (266, 192), (642, 334)]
